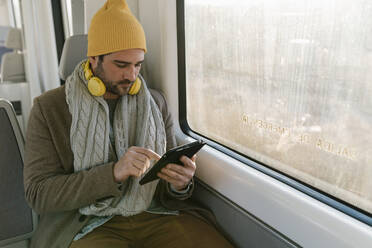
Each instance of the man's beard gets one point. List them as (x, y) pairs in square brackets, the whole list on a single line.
[(114, 87), (111, 86)]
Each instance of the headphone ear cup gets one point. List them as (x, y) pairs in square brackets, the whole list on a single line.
[(96, 87), (135, 87)]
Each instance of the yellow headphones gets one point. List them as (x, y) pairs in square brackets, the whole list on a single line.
[(97, 88)]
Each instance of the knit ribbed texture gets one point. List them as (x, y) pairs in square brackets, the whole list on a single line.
[(114, 28), (137, 122)]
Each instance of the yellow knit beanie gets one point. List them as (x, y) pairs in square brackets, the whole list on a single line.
[(114, 28)]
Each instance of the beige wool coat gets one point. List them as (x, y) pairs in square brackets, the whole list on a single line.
[(52, 188)]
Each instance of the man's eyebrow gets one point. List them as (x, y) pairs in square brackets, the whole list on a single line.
[(127, 63)]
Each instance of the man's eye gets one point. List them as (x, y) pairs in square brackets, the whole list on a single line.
[(138, 65), (121, 66)]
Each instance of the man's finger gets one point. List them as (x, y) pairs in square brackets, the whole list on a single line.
[(193, 158), (177, 168), (138, 164), (169, 179), (188, 162), (141, 157), (149, 153), (175, 174)]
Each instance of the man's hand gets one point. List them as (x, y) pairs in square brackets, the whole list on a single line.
[(133, 163), (177, 175)]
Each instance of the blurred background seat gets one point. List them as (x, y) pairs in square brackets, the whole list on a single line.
[(17, 220), (12, 67)]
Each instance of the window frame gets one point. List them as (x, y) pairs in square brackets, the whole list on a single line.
[(309, 190)]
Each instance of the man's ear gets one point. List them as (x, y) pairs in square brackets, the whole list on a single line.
[(93, 60)]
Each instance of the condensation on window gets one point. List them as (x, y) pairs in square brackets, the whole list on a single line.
[(288, 83)]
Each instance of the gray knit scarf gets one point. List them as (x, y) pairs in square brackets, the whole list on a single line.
[(137, 122)]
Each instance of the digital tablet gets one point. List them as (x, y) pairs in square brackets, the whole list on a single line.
[(172, 156)]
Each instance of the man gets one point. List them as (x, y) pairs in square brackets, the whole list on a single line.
[(89, 142)]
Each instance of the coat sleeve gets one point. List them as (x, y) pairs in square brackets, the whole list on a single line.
[(49, 186)]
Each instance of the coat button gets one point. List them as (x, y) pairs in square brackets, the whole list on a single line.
[(82, 218)]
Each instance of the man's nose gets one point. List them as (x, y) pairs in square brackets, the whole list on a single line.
[(131, 74)]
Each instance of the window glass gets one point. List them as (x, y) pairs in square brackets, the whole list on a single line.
[(288, 83)]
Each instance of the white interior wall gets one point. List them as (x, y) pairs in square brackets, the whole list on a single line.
[(159, 21)]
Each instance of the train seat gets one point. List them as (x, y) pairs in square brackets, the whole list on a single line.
[(74, 50), (17, 220), (12, 65)]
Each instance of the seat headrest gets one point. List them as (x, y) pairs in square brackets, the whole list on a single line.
[(74, 51), (14, 39), (12, 68)]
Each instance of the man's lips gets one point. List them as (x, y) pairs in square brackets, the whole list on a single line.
[(126, 85)]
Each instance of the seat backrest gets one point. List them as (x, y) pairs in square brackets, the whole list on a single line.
[(17, 220), (74, 51), (12, 66), (14, 39)]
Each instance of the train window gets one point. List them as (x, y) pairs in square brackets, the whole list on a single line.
[(286, 83)]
